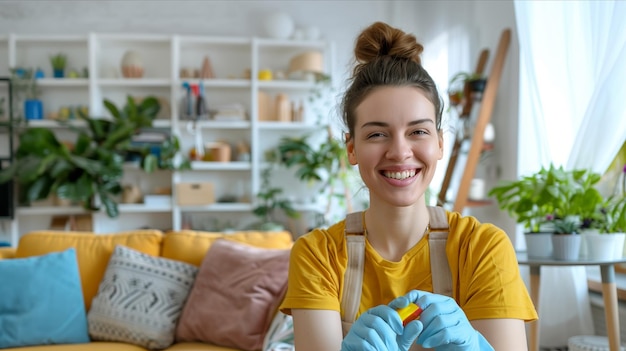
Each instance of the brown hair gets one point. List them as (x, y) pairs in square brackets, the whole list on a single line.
[(387, 56)]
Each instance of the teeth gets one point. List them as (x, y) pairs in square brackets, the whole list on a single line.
[(400, 175)]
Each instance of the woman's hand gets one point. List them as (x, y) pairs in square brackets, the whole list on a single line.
[(380, 329), (444, 324)]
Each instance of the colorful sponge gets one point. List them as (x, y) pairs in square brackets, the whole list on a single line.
[(409, 313)]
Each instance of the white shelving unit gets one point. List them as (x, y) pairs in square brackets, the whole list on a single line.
[(236, 63)]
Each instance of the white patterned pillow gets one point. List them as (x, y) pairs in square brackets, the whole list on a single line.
[(140, 299)]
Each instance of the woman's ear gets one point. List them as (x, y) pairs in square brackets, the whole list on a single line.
[(350, 149)]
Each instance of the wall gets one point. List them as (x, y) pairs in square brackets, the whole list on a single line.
[(453, 31)]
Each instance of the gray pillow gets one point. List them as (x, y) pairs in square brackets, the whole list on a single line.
[(140, 299)]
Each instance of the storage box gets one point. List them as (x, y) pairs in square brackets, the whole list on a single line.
[(195, 194)]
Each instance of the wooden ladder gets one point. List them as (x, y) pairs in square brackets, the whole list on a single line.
[(484, 116)]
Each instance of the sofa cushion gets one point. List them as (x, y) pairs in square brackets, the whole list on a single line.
[(93, 251), (41, 301), (92, 346), (191, 246), (236, 293), (198, 346), (7, 252), (140, 299)]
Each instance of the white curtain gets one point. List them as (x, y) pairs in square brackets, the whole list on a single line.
[(572, 88)]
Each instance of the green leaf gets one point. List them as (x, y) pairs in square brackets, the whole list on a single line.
[(109, 205), (113, 110), (39, 189), (150, 163)]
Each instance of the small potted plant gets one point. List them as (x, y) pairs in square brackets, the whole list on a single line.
[(464, 83), (27, 92), (575, 199), (565, 240), (58, 63), (530, 201), (269, 202)]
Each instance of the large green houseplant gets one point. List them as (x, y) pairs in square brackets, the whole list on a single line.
[(89, 171), (529, 200)]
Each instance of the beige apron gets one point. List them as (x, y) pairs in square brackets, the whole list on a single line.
[(353, 278)]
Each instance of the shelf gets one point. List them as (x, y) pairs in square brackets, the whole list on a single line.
[(51, 123), (218, 83), (51, 38), (220, 166), (50, 210), (135, 82), (142, 208), (165, 57), (478, 203), (229, 41), (287, 84), (299, 126), (219, 207), (62, 82), (222, 124)]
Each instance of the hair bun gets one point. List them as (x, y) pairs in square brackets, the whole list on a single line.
[(380, 39)]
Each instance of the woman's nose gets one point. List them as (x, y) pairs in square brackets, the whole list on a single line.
[(399, 149)]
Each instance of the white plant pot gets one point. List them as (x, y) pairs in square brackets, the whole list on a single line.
[(566, 246), (600, 247), (538, 245), (620, 240)]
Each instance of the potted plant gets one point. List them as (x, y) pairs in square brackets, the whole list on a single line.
[(530, 202), (89, 171), (565, 240), (323, 165), (58, 63), (24, 82), (269, 202), (576, 202), (464, 83)]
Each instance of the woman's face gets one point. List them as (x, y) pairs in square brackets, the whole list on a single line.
[(396, 144)]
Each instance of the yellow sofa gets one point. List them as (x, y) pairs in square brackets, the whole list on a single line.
[(93, 252)]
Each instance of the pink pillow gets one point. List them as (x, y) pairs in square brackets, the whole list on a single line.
[(235, 295)]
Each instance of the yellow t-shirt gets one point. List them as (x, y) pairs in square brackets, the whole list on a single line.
[(486, 282)]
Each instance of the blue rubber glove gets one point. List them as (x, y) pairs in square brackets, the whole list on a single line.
[(445, 326), (380, 329)]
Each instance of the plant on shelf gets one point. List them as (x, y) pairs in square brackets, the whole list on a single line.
[(89, 171), (324, 165), (462, 84), (269, 202), (58, 63)]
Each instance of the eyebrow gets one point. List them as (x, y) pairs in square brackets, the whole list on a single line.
[(385, 124)]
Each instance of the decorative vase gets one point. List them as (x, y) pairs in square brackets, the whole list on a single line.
[(33, 109), (539, 245), (58, 73), (132, 65), (566, 247), (279, 25)]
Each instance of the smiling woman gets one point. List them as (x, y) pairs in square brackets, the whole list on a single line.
[(393, 113)]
